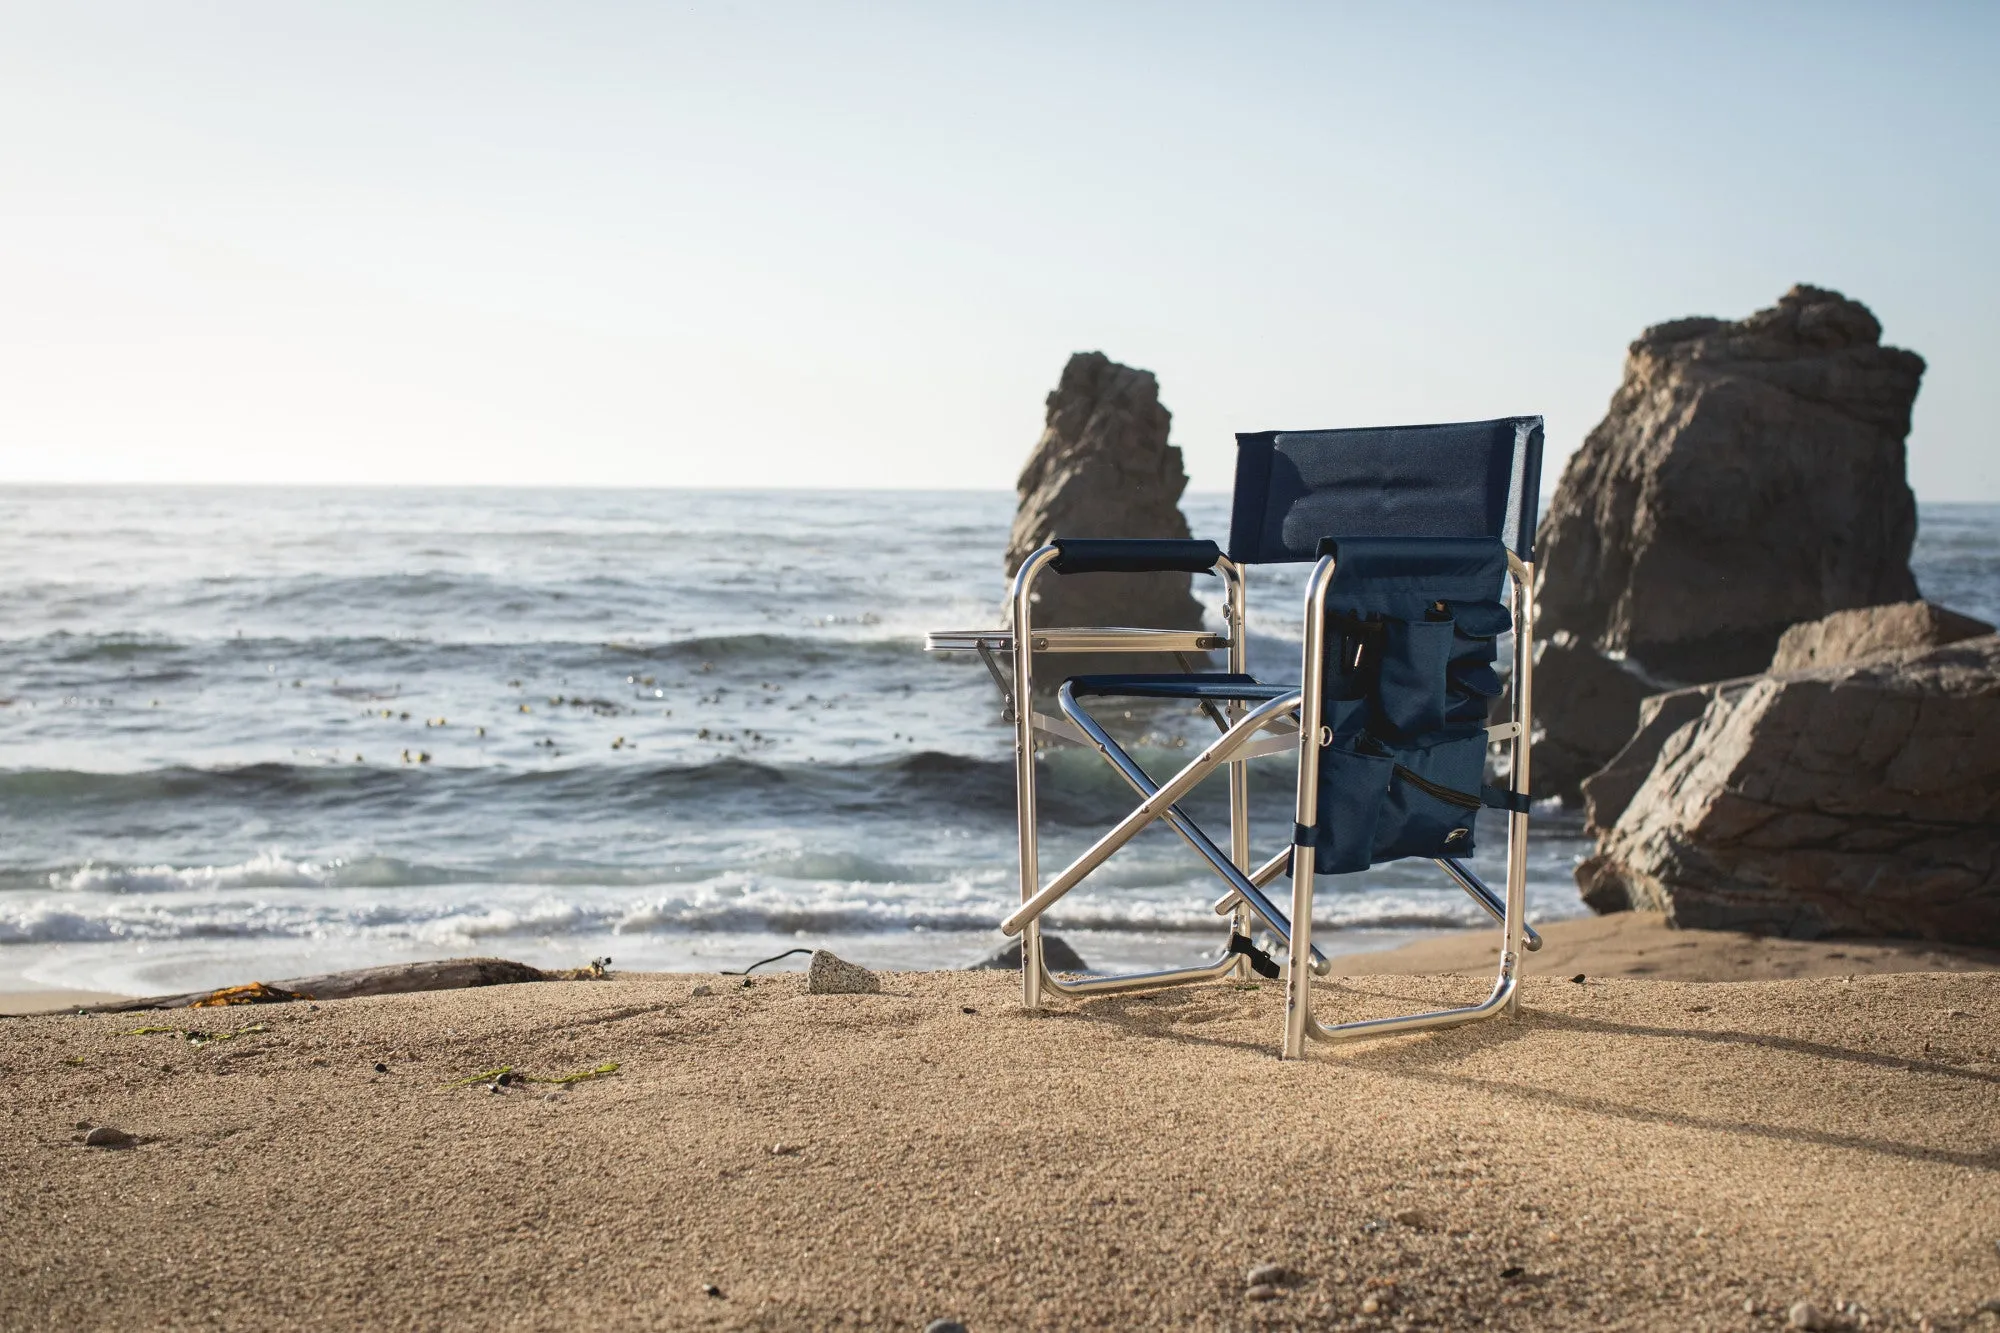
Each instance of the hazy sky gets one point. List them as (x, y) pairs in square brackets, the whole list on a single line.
[(742, 244)]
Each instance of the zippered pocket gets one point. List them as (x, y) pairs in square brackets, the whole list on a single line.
[(1449, 795), (1433, 803)]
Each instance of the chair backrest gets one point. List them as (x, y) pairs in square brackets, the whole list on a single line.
[(1463, 479)]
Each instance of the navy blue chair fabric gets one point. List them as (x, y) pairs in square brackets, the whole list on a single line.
[(1133, 555), (1213, 685), (1410, 629), (1420, 521), (1464, 479)]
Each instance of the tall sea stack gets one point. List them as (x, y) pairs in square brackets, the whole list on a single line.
[(1103, 468), (1748, 476)]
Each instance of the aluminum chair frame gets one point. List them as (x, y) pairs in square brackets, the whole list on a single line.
[(1244, 736), (1240, 742), (1035, 975)]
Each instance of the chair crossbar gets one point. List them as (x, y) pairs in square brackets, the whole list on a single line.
[(1155, 806), (1476, 889), (1244, 888)]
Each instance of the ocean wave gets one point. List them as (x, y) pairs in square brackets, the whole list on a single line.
[(798, 892), (737, 906), (921, 778), (266, 870), (826, 639)]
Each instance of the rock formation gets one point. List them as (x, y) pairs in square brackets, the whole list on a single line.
[(830, 974), (1858, 799), (1900, 629), (1608, 791), (1867, 634), (1748, 476), (1103, 468), (1057, 956)]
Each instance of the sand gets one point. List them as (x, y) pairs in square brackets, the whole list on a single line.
[(1640, 944), (1638, 1153), (48, 1000)]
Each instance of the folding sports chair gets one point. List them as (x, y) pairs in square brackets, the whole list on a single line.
[(1415, 532)]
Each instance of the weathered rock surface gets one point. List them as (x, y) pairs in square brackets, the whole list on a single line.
[(830, 974), (1608, 791), (1747, 476), (1057, 955), (1868, 632), (1103, 468), (1862, 799)]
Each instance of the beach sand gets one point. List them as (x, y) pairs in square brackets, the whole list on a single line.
[(1638, 1153), (47, 1001), (1640, 944)]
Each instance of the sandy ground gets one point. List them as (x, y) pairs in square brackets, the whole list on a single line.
[(1629, 944), (42, 1001), (1639, 944), (1629, 1153)]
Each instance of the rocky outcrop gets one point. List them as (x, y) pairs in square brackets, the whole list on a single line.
[(1608, 791), (1103, 468), (1900, 629), (1866, 634), (1057, 956), (1860, 799), (1747, 476)]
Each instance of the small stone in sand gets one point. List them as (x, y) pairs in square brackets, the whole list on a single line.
[(1262, 1291), (83, 1124), (1414, 1217), (944, 1326), (1268, 1275), (703, 989), (1805, 1315), (1371, 1305), (1578, 978), (710, 1289), (381, 1068), (830, 975), (104, 1136), (786, 1149), (1512, 1272)]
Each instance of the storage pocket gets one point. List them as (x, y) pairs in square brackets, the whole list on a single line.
[(1352, 787), (1412, 684), (1433, 801)]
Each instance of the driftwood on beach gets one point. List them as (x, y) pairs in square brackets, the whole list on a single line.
[(392, 979)]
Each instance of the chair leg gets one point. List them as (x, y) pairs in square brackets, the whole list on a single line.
[(1298, 968), (1024, 763)]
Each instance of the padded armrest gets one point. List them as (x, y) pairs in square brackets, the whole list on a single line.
[(1133, 555)]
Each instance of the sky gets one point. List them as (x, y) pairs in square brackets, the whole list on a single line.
[(852, 245)]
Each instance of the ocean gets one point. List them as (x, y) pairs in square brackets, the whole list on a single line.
[(259, 733)]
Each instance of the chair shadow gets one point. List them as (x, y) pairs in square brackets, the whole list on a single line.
[(1126, 1012), (1415, 1056), (1418, 1061)]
